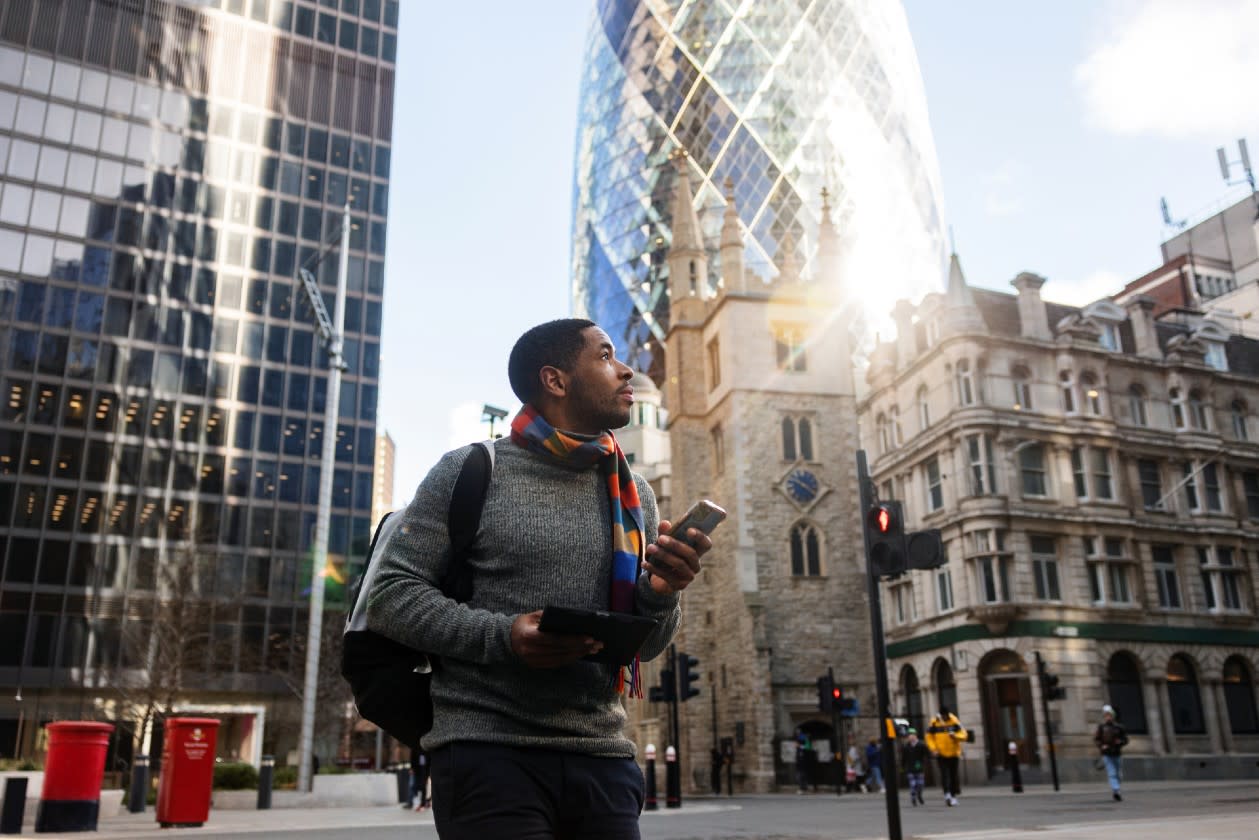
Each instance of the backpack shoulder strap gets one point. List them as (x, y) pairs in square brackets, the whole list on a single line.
[(464, 516)]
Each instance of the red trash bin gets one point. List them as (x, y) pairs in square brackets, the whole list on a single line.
[(183, 789), (71, 796)]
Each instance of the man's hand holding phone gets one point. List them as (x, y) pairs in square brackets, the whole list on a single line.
[(673, 560)]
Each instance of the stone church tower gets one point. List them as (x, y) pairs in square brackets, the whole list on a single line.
[(762, 420)]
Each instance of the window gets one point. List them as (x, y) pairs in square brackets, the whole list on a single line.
[(1123, 690), (1032, 467), (1022, 379), (1239, 697), (1183, 697), (1091, 395), (1151, 484), (1045, 568), (1109, 337), (1066, 383), (991, 564), (719, 449), (983, 471), (894, 420), (924, 409), (1238, 413), (1079, 473), (935, 486), (1199, 416), (1136, 406), (1108, 570), (797, 434), (1221, 579), (1165, 578), (714, 364), (789, 348), (965, 383), (1103, 488), (1216, 357), (1202, 487), (944, 589), (884, 430), (1178, 408), (902, 602), (805, 551), (1250, 483)]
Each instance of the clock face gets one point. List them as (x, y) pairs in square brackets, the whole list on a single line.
[(802, 485)]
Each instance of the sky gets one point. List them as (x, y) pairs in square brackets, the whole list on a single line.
[(1058, 128)]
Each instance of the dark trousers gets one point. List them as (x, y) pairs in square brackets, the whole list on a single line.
[(481, 791), (948, 776)]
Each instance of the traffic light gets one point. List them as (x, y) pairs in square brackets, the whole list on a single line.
[(687, 677), (885, 539), (827, 693), (663, 693), (924, 549), (1049, 686)]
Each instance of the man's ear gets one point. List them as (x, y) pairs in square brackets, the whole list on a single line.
[(554, 381)]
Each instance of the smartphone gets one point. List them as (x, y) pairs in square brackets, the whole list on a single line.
[(703, 516)]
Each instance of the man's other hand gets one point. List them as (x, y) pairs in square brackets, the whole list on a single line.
[(672, 563), (548, 650)]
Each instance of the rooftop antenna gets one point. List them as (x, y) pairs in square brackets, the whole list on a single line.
[(1179, 224), (1248, 174)]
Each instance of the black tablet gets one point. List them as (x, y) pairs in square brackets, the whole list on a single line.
[(622, 634)]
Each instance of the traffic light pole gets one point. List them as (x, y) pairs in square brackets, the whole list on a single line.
[(674, 701), (888, 753), (1044, 711), (839, 752)]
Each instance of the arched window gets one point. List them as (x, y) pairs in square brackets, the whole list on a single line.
[(1091, 394), (1183, 697), (946, 685), (965, 383), (1066, 382), (789, 439), (1022, 379), (894, 419), (806, 438), (884, 430), (1239, 697), (1123, 687), (1199, 415), (912, 693), (1177, 398), (1239, 412), (797, 434), (1136, 406), (806, 551), (924, 409)]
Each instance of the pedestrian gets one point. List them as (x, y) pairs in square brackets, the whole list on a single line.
[(874, 763), (527, 738), (419, 778), (945, 736), (715, 762), (914, 760), (854, 771), (1111, 738), (803, 748)]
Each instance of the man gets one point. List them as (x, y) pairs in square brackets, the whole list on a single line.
[(874, 765), (527, 738), (1111, 738), (914, 760), (945, 736)]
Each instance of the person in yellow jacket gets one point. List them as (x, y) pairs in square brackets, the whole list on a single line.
[(945, 735)]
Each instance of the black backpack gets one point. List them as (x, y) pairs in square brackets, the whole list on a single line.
[(391, 681)]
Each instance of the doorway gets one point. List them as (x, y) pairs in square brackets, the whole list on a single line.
[(1006, 694)]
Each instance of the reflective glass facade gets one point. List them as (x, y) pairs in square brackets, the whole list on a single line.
[(783, 98), (166, 166)]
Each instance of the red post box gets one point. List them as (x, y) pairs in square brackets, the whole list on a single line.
[(183, 790), (71, 797)]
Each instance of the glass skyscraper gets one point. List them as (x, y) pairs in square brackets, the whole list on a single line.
[(784, 99), (167, 165)]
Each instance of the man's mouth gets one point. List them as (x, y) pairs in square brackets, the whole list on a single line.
[(627, 394)]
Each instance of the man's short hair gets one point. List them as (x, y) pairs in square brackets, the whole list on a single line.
[(555, 344)]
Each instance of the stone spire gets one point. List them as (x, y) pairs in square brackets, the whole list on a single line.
[(788, 265), (827, 245), (960, 312), (732, 274), (687, 258)]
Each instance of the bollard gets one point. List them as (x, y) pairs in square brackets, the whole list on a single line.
[(138, 793), (14, 805), (649, 802), (672, 779), (266, 778), (1012, 761), (403, 773)]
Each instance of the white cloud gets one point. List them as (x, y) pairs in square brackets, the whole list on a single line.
[(465, 425), (1001, 191), (1175, 69), (1082, 291)]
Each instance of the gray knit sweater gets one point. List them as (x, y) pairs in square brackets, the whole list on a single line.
[(545, 538)]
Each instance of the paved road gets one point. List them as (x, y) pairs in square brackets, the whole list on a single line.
[(1185, 811)]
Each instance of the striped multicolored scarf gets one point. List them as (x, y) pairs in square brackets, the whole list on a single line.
[(531, 431)]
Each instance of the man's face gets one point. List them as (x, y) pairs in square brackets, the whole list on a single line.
[(600, 396)]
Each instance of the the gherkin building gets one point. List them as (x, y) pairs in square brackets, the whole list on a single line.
[(781, 97)]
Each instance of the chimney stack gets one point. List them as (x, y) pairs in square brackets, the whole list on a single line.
[(1141, 316), (1032, 314)]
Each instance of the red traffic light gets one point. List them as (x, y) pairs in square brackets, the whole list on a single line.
[(837, 693), (883, 519)]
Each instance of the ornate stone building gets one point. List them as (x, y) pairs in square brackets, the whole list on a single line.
[(1095, 473), (762, 419)]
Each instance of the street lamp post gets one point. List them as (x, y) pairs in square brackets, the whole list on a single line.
[(333, 334)]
